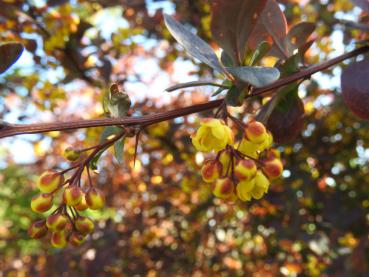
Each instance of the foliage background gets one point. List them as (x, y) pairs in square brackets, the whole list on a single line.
[(161, 218)]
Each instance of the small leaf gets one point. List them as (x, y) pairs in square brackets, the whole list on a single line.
[(193, 44), (194, 84), (255, 75), (118, 102), (9, 54), (235, 97), (118, 150), (95, 160)]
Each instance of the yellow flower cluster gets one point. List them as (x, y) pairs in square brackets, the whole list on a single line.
[(242, 170)]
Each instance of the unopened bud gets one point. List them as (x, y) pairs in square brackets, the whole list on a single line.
[(256, 132), (41, 203), (95, 199), (56, 222), (72, 195), (49, 181), (37, 229), (71, 154), (273, 168), (211, 170), (223, 188), (59, 239), (84, 225), (245, 169)]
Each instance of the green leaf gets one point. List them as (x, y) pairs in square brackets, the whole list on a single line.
[(260, 52), (118, 150), (9, 54), (109, 131), (118, 102), (195, 84), (235, 97), (257, 76), (226, 83), (193, 44)]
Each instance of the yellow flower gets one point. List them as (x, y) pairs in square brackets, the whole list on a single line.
[(213, 134)]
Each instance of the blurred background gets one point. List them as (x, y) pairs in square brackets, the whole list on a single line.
[(161, 219)]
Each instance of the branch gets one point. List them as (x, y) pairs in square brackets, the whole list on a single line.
[(7, 130)]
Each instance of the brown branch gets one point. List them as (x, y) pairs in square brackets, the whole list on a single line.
[(7, 130)]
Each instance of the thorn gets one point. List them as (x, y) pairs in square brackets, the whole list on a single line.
[(136, 146)]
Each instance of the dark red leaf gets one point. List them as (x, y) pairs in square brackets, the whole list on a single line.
[(233, 22), (271, 27), (355, 88), (9, 54), (298, 35)]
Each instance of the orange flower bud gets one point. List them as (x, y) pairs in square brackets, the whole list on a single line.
[(56, 222), (84, 225), (59, 239), (37, 229), (223, 188), (76, 239), (245, 169), (41, 203), (49, 181), (72, 195), (256, 132), (82, 205), (95, 199), (273, 153), (211, 171), (273, 168)]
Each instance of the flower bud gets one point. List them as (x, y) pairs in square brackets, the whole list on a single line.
[(71, 154), (72, 195), (244, 189), (211, 171), (273, 168), (223, 188), (256, 132), (76, 239), (95, 199), (267, 142), (49, 181), (56, 222), (273, 153), (84, 225), (261, 185), (245, 169), (59, 239), (37, 229), (82, 205), (41, 203)]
